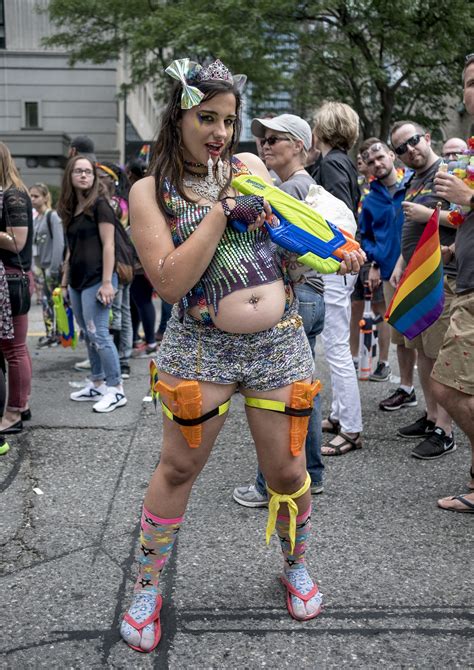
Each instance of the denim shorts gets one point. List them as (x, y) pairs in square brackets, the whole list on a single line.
[(259, 361)]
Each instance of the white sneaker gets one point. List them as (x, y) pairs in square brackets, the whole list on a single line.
[(111, 399), (89, 392), (82, 365)]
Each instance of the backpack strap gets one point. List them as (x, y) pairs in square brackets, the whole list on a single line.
[(49, 214)]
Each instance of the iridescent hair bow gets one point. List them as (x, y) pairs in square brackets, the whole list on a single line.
[(190, 96), (184, 70)]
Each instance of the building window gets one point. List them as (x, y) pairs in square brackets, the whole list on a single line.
[(2, 26), (32, 116)]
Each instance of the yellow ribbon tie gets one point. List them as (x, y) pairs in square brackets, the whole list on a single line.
[(274, 505)]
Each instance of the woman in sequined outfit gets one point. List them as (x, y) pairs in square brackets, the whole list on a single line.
[(235, 327)]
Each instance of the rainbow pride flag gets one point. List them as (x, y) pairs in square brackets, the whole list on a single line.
[(419, 298)]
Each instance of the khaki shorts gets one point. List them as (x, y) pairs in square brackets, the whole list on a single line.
[(455, 363), (388, 291)]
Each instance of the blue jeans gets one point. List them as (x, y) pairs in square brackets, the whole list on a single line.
[(122, 321), (311, 310), (93, 319)]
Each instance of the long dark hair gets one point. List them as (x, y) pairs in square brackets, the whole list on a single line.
[(68, 199), (167, 160)]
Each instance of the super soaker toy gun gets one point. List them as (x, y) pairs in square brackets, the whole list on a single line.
[(297, 227), (64, 320), (368, 345)]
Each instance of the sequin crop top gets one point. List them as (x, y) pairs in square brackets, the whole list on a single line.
[(240, 260)]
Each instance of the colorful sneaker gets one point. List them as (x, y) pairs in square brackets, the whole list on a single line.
[(420, 428), (435, 445), (248, 496), (82, 365), (89, 392), (111, 399), (381, 373), (4, 446), (397, 400)]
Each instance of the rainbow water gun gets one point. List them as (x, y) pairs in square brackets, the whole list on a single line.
[(64, 320), (297, 227)]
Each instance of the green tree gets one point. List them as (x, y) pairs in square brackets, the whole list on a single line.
[(387, 59)]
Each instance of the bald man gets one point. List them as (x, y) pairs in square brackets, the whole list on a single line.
[(453, 147)]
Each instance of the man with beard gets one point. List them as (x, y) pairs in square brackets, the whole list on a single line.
[(453, 373), (380, 228), (412, 144)]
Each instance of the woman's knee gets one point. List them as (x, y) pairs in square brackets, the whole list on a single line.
[(289, 480), (179, 473)]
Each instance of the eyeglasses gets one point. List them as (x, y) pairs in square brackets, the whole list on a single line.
[(273, 139), (374, 149), (412, 142), (79, 171)]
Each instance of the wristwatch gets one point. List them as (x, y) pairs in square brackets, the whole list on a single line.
[(374, 265)]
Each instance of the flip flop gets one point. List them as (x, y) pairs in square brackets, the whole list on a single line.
[(462, 499), (153, 618), (290, 590), (341, 444)]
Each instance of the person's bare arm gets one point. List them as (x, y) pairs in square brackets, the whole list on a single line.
[(172, 271), (107, 237)]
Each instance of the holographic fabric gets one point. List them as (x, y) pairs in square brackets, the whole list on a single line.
[(241, 259)]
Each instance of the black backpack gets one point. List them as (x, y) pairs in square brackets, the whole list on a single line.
[(124, 253)]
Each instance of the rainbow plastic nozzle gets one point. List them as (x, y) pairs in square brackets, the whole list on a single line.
[(64, 320), (299, 228)]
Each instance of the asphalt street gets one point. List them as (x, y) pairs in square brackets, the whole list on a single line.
[(395, 570)]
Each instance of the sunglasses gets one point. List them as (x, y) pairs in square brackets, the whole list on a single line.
[(374, 149), (273, 139), (412, 142)]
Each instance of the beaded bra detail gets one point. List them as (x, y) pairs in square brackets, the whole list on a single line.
[(240, 260)]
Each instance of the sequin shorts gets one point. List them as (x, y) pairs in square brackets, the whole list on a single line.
[(259, 361)]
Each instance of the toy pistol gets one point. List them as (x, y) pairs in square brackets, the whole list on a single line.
[(64, 320), (298, 227)]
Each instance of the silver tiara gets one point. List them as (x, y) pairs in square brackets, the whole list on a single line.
[(188, 72)]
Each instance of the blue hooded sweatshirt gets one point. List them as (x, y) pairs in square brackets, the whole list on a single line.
[(380, 225)]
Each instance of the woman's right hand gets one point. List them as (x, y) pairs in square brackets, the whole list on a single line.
[(65, 294)]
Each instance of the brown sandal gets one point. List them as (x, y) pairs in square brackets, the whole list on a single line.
[(341, 444), (330, 426)]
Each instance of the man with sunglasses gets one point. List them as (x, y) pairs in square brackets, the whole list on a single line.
[(380, 227), (412, 144), (453, 373)]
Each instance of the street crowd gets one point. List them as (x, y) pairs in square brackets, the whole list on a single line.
[(232, 303)]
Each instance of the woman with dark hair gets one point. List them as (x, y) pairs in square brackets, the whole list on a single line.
[(16, 246), (236, 327), (89, 279)]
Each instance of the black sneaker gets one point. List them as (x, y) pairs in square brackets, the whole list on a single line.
[(398, 400), (435, 445), (381, 373), (422, 427)]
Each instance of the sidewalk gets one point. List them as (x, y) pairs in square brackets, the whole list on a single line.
[(394, 569)]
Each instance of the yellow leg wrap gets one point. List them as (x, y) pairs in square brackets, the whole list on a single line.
[(299, 410), (183, 404), (274, 505)]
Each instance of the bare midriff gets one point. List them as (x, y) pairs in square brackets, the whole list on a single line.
[(248, 310)]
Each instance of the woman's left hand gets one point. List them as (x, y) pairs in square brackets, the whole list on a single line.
[(106, 293), (353, 261)]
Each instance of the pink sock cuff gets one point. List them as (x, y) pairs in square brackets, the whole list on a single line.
[(301, 517), (159, 519)]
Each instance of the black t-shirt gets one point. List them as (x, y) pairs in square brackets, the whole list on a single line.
[(338, 175), (17, 212), (420, 189), (465, 255), (85, 245)]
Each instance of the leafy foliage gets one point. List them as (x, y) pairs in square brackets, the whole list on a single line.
[(387, 59)]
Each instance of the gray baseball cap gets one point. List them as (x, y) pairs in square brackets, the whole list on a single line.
[(285, 123)]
